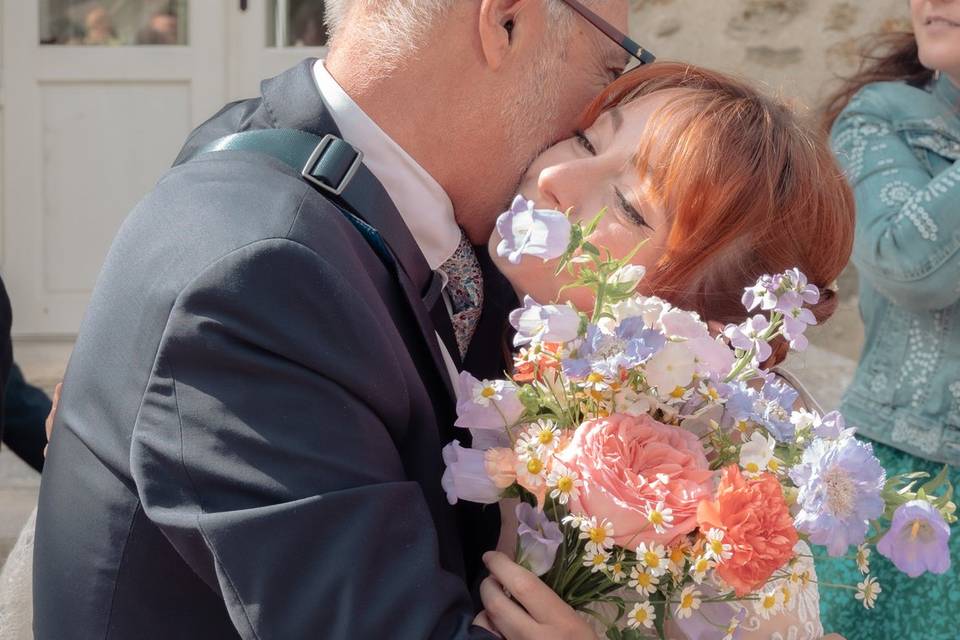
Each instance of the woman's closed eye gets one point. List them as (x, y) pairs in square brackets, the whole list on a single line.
[(584, 142), (632, 213)]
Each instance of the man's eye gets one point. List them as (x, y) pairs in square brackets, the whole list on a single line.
[(585, 142), (630, 211)]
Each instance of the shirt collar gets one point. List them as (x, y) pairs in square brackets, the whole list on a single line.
[(946, 90), (423, 204)]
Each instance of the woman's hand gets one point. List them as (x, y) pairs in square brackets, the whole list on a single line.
[(540, 612)]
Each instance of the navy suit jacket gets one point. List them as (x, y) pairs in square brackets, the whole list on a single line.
[(248, 442)]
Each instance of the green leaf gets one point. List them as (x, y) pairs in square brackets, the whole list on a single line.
[(936, 482), (659, 602), (592, 225), (590, 248)]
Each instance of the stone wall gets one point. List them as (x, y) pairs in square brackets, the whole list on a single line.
[(794, 46)]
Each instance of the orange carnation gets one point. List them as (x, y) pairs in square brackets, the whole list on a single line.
[(756, 522)]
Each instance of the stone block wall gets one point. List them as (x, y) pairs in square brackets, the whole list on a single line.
[(794, 46)]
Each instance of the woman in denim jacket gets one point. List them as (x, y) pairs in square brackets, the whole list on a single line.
[(896, 132)]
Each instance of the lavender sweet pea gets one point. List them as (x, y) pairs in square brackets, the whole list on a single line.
[(465, 477), (525, 230), (544, 323), (917, 540), (539, 539)]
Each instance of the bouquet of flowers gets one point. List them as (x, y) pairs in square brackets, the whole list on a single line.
[(661, 473)]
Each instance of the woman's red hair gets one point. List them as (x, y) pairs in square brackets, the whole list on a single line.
[(751, 190)]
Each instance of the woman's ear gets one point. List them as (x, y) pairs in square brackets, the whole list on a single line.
[(496, 26)]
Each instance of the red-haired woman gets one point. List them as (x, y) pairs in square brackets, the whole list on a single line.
[(896, 130), (725, 185)]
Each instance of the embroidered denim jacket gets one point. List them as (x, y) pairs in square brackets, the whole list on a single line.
[(900, 147)]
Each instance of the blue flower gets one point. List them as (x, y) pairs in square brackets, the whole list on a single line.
[(605, 353), (839, 484), (544, 323), (525, 230), (770, 407), (917, 540)]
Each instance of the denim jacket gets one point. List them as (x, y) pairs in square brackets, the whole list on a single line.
[(900, 147)]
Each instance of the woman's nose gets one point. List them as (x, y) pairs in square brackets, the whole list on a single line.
[(559, 185)]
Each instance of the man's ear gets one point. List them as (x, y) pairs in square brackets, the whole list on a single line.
[(496, 23)]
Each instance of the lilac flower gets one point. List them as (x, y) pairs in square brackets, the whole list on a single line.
[(605, 353), (525, 230), (490, 404), (762, 294), (917, 539), (796, 281), (839, 484), (747, 336), (544, 323), (539, 539), (796, 319), (465, 477)]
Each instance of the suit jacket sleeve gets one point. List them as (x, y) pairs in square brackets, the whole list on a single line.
[(263, 452), (6, 349)]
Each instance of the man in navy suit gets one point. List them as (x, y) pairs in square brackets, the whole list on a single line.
[(248, 442)]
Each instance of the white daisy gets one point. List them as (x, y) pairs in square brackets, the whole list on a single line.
[(564, 483), (770, 603), (660, 517), (701, 565), (715, 548), (617, 574), (641, 614), (596, 560), (689, 602), (677, 556), (599, 536), (756, 454), (653, 557), (863, 559), (867, 591), (732, 627), (643, 581), (531, 471), (541, 437)]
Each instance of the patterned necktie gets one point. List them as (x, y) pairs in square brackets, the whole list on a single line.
[(464, 291)]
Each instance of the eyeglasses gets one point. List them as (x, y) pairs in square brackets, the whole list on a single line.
[(622, 39)]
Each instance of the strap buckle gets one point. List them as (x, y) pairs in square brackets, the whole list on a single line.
[(332, 164)]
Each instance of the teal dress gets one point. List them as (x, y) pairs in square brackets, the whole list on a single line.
[(900, 148)]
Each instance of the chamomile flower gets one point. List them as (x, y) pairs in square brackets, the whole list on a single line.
[(643, 581), (531, 471), (708, 392), (616, 572), (541, 437), (689, 602), (701, 565), (653, 557), (596, 560), (863, 559), (599, 536), (756, 454), (575, 520), (642, 614), (661, 517), (770, 603), (564, 483), (732, 627), (715, 547), (867, 591), (677, 556)]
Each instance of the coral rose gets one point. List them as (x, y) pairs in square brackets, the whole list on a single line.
[(756, 522), (629, 464)]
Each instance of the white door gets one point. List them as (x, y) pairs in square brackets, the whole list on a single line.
[(268, 37), (98, 97)]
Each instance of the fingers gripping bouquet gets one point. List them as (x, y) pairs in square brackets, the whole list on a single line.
[(661, 471)]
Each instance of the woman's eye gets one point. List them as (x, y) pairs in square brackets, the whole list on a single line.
[(585, 142), (630, 211)]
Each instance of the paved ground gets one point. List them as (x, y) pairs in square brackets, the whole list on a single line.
[(826, 370)]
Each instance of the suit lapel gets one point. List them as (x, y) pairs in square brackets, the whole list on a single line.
[(293, 101)]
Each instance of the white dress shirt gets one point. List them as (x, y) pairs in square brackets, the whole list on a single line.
[(422, 203)]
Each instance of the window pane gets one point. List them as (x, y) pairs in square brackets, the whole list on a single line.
[(113, 22), (295, 23)]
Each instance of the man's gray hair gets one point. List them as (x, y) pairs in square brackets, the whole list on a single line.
[(397, 28)]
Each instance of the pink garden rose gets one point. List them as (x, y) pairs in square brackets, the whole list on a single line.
[(628, 465)]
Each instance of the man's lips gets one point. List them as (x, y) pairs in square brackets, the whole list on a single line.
[(940, 20)]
